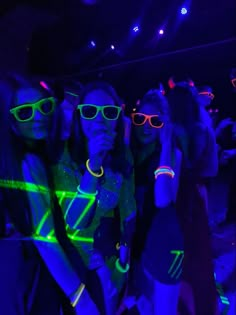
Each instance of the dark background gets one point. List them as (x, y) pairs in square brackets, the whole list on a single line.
[(52, 38)]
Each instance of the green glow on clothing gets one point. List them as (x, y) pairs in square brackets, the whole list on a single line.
[(81, 238), (224, 300), (31, 187), (175, 269), (42, 221), (21, 185)]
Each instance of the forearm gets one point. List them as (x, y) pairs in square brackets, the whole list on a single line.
[(163, 183), (81, 209), (59, 266)]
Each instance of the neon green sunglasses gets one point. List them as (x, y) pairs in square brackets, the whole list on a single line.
[(90, 111), (26, 112)]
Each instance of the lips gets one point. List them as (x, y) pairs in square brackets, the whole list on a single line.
[(147, 133), (98, 131)]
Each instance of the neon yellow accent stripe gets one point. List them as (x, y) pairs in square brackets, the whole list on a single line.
[(65, 194), (47, 239), (51, 233), (81, 239), (14, 184), (42, 221), (61, 197), (83, 214)]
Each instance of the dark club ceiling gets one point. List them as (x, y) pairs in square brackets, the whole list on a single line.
[(75, 37)]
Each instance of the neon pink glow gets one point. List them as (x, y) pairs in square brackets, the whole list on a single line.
[(44, 85)]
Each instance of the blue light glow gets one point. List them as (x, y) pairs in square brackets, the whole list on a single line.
[(136, 29)]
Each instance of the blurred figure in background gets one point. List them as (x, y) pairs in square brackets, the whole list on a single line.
[(196, 138)]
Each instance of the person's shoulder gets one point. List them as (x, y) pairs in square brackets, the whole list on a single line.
[(32, 160), (33, 168)]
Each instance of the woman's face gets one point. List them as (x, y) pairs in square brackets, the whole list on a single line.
[(31, 123), (146, 134), (99, 124)]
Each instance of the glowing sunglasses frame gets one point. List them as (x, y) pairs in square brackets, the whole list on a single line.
[(209, 94), (99, 109), (147, 117), (34, 106)]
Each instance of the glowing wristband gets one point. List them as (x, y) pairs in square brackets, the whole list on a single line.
[(77, 295), (164, 170), (120, 268), (93, 173), (118, 245), (86, 193)]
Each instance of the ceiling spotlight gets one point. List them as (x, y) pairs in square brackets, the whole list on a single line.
[(112, 47), (92, 43), (184, 11), (89, 2), (161, 32), (136, 29)]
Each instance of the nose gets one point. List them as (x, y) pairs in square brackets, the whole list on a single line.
[(38, 116), (147, 124), (99, 118)]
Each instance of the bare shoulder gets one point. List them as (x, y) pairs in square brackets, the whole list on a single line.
[(33, 169), (32, 160)]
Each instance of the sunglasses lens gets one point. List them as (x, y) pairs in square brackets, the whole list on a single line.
[(24, 113), (88, 111), (156, 122), (138, 119), (111, 112), (47, 107)]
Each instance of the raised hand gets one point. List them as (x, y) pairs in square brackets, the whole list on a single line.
[(98, 147), (166, 134)]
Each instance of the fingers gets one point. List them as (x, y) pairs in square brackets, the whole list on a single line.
[(99, 145), (103, 141)]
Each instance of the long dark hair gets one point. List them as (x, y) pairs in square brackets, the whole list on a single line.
[(77, 142), (13, 150), (185, 114)]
